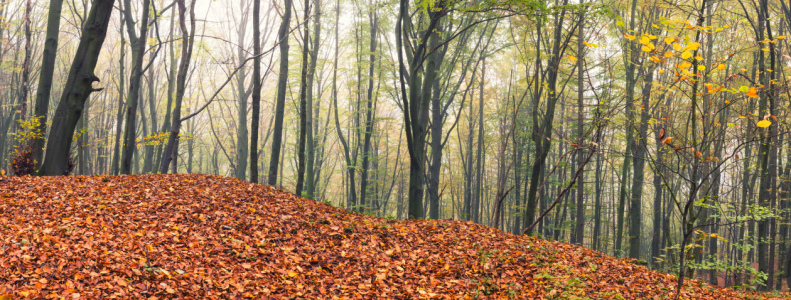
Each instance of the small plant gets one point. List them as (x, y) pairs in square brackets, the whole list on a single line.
[(23, 161)]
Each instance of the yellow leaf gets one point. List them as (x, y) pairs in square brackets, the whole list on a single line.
[(573, 58), (292, 274), (722, 67), (686, 55), (629, 37), (668, 54), (692, 47), (763, 124), (676, 47), (646, 49), (701, 68), (669, 40)]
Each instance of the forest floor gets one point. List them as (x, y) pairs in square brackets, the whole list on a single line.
[(208, 237)]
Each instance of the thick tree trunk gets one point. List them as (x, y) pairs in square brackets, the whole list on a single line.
[(45, 77), (77, 89)]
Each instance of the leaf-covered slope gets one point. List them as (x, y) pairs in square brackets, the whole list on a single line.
[(206, 237)]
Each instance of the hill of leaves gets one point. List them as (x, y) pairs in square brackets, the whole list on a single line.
[(207, 237)]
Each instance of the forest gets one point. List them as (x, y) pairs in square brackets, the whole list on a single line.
[(657, 131)]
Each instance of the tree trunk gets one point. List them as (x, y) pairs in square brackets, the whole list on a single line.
[(280, 103), (138, 49), (374, 19), (310, 184), (45, 78), (256, 91), (242, 94), (578, 237), (77, 89), (170, 153)]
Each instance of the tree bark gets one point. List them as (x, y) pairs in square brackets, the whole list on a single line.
[(170, 153), (256, 91), (45, 78), (280, 103), (138, 49), (77, 89)]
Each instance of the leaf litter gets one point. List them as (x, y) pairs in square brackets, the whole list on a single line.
[(209, 237)]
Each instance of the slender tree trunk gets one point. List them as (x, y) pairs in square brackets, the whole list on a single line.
[(138, 49), (310, 187), (578, 238), (479, 156), (25, 89), (241, 92), (374, 19), (256, 91), (170, 152), (303, 108), (166, 124), (121, 104), (280, 103)]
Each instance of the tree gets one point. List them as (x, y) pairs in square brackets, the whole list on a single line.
[(256, 91), (282, 81), (77, 89), (138, 44), (170, 154)]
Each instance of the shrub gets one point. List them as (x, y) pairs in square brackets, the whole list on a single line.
[(23, 162)]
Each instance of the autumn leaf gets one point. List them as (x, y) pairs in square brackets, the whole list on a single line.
[(752, 92), (763, 123)]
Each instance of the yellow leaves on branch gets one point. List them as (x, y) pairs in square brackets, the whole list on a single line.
[(686, 55), (692, 47), (648, 46)]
